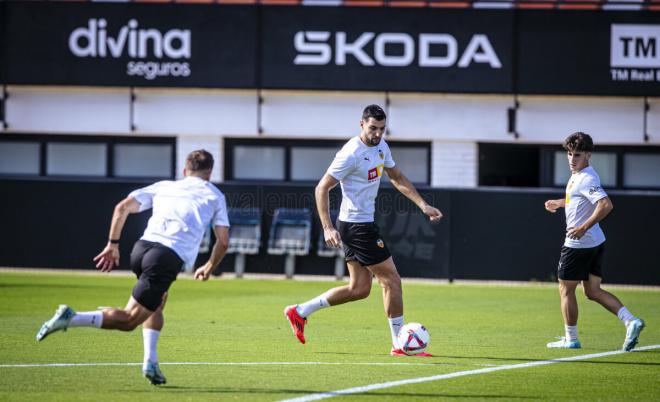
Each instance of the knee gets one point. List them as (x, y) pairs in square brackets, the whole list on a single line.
[(591, 294), (129, 325), (360, 292), (565, 290), (391, 282)]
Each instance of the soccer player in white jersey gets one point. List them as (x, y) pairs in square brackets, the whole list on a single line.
[(358, 167), (182, 210), (585, 204)]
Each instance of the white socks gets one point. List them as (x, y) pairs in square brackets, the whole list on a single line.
[(571, 332), (313, 305), (625, 315), (87, 319), (395, 325), (150, 338)]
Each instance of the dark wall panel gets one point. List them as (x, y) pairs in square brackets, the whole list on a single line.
[(420, 248), (509, 236), (381, 49), (589, 52), (632, 249), (131, 44), (569, 52), (485, 234), (61, 224), (505, 235), (3, 36)]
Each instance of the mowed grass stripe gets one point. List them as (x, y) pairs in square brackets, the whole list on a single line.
[(241, 322), (373, 387), (29, 365)]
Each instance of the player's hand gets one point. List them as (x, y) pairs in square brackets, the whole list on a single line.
[(433, 213), (108, 258), (202, 273), (332, 237), (552, 206), (575, 233)]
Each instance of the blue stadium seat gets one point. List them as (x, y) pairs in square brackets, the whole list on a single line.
[(245, 230), (290, 232), (244, 235)]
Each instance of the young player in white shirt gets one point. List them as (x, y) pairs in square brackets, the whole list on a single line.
[(358, 167), (586, 204), (182, 210)]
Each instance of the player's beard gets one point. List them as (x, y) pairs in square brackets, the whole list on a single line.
[(374, 141)]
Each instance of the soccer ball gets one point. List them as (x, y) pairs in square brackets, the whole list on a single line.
[(413, 338)]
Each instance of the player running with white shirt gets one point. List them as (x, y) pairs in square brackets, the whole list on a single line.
[(358, 167), (586, 204), (182, 210)]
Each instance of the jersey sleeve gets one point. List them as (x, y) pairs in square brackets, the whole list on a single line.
[(221, 217), (145, 196), (592, 190), (342, 165), (389, 161)]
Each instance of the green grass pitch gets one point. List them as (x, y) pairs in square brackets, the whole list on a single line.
[(236, 322)]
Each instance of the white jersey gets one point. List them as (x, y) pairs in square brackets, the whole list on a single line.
[(582, 193), (183, 209), (358, 168)]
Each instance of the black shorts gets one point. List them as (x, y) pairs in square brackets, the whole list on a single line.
[(362, 243), (575, 264), (156, 267)]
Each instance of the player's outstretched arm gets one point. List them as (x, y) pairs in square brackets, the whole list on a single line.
[(109, 257), (322, 193), (217, 253), (553, 205), (401, 183)]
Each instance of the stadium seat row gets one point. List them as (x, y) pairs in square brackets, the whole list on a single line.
[(290, 235)]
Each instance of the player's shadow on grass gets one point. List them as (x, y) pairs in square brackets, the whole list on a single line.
[(436, 359), (231, 390), (57, 285), (522, 359), (253, 391), (384, 354), (610, 362), (409, 395)]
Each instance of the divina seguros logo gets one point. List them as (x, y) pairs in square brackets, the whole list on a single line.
[(97, 40)]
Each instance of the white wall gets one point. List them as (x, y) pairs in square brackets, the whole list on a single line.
[(83, 110), (454, 164), (314, 115), (195, 112), (607, 120), (200, 118), (323, 115), (653, 121), (448, 117)]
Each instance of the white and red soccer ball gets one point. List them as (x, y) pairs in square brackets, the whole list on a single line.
[(413, 338)]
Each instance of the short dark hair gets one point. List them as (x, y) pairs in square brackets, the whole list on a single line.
[(199, 161), (374, 111), (579, 142)]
